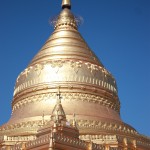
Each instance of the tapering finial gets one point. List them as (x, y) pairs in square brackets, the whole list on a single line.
[(58, 95), (51, 143), (74, 123), (66, 4), (43, 121)]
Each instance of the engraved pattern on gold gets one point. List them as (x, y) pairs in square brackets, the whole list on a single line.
[(76, 65), (83, 125), (57, 64), (68, 97), (93, 68), (40, 69)]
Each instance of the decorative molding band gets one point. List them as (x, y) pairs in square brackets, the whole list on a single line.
[(83, 125), (38, 142), (100, 142), (88, 98), (32, 75), (16, 138)]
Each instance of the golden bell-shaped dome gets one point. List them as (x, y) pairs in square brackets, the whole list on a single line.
[(65, 57), (87, 88)]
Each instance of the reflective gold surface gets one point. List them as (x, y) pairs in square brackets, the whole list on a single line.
[(66, 3), (87, 89), (66, 60)]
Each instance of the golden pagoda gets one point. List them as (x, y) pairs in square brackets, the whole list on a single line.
[(66, 78)]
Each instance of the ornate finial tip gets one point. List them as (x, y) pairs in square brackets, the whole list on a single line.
[(66, 4)]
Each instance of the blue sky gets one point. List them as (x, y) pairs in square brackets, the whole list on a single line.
[(118, 31)]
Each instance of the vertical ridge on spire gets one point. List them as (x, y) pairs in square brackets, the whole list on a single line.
[(51, 143), (66, 4), (74, 123)]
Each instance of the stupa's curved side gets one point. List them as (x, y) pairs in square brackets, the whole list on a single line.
[(87, 88)]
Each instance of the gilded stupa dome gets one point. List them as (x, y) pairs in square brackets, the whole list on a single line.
[(87, 88)]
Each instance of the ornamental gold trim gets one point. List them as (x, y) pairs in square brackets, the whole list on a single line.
[(33, 75), (68, 96)]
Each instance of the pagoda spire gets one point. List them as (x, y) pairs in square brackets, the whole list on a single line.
[(66, 4), (58, 113)]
